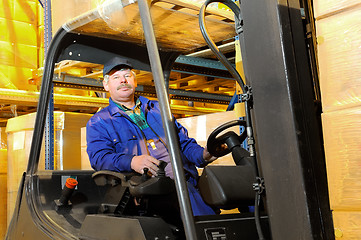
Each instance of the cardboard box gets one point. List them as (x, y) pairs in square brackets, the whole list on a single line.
[(339, 41), (327, 7), (342, 141), (85, 163)]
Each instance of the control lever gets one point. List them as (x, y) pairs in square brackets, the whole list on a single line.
[(145, 175), (63, 202), (161, 167), (157, 185)]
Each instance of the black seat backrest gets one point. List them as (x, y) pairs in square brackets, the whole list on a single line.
[(227, 187)]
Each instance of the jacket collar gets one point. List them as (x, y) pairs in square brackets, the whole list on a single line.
[(114, 109)]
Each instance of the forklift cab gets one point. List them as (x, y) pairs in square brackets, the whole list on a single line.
[(96, 208)]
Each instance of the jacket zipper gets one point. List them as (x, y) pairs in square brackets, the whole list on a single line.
[(144, 138)]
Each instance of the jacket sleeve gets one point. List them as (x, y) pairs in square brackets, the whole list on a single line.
[(189, 146), (101, 149)]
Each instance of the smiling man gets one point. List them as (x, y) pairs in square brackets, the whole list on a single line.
[(128, 135)]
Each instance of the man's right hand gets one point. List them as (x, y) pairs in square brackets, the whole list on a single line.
[(145, 161)]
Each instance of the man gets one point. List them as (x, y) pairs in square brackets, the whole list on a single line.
[(128, 135)]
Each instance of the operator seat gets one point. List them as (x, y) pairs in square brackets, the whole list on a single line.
[(125, 186), (155, 196)]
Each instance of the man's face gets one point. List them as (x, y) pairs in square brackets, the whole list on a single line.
[(121, 85)]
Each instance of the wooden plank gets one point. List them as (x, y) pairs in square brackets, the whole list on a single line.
[(197, 5)]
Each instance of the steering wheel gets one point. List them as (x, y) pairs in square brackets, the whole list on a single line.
[(215, 143)]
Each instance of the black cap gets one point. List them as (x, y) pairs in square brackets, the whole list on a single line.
[(116, 62)]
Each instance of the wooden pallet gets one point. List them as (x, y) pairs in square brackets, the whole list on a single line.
[(175, 24)]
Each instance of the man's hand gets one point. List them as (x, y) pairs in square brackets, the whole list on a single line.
[(207, 156), (144, 161)]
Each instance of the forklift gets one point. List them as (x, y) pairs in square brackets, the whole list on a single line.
[(282, 174)]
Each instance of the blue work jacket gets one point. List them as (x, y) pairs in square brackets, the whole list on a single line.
[(113, 139)]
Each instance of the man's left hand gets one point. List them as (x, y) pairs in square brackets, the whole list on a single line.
[(208, 158)]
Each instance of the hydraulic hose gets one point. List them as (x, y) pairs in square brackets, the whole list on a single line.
[(224, 60), (212, 45), (238, 78), (257, 216)]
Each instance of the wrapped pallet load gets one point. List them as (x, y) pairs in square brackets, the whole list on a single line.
[(339, 53)]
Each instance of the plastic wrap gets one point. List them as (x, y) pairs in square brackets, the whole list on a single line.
[(19, 41), (322, 8), (121, 20), (342, 141), (339, 54), (64, 10), (111, 11)]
